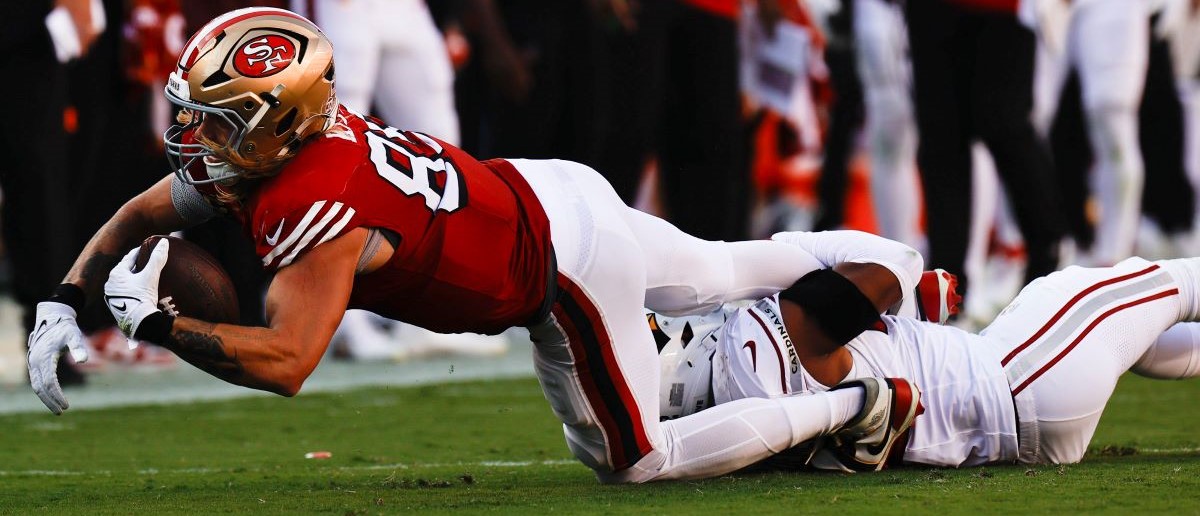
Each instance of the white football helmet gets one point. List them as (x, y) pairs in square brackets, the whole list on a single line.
[(686, 347)]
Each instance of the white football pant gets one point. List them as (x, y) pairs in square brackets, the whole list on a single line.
[(596, 358), (1069, 336)]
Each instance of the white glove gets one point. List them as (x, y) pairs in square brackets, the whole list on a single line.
[(55, 329), (132, 296)]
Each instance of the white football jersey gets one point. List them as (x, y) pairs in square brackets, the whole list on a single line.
[(969, 416)]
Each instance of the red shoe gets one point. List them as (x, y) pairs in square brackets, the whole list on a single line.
[(937, 296)]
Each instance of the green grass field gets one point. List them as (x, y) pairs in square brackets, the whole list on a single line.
[(495, 447)]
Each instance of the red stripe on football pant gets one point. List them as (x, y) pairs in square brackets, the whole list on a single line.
[(1062, 311), (590, 390), (611, 366), (1087, 330)]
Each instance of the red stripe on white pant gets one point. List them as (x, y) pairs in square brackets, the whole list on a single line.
[(1021, 386), (1075, 300)]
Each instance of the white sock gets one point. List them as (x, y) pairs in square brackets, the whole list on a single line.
[(845, 404)]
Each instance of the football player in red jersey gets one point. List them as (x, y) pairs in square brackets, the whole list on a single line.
[(352, 213)]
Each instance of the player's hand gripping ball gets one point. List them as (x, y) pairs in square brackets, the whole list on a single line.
[(172, 276), (192, 283)]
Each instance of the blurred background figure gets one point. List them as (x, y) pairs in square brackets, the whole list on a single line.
[(871, 80), (45, 39), (973, 66), (534, 82), (782, 75), (1181, 26), (685, 112), (881, 44), (392, 61), (1106, 43), (845, 116)]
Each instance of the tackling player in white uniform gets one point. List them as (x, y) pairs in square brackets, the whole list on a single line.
[(1029, 388)]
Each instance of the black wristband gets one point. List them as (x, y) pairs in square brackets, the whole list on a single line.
[(155, 328), (835, 303), (69, 294)]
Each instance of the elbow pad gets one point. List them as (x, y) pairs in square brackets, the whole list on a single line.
[(835, 304)]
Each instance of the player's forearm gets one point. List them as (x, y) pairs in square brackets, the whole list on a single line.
[(259, 358), (835, 247), (150, 213), (876, 282), (125, 230)]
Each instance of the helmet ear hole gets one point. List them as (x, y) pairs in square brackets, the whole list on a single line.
[(286, 122), (329, 73)]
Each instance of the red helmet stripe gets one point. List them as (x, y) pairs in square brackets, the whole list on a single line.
[(207, 35)]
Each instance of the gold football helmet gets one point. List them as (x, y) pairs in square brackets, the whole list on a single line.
[(253, 84)]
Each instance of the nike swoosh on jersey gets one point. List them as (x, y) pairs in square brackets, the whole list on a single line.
[(753, 353), (272, 239)]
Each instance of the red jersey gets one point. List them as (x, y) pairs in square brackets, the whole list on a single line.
[(723, 8), (474, 251)]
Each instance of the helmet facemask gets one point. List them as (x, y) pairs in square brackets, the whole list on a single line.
[(212, 130)]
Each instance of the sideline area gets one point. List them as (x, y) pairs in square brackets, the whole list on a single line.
[(184, 383)]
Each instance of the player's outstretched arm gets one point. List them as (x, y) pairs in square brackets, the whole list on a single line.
[(305, 303), (151, 212)]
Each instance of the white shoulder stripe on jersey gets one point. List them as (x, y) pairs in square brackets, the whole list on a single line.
[(332, 232), (311, 233), (337, 228), (295, 234)]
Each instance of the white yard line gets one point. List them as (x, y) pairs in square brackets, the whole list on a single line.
[(1166, 451), (487, 464)]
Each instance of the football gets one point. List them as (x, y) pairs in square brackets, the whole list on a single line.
[(192, 284)]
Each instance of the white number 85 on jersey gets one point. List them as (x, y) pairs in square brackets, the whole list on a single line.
[(410, 161)]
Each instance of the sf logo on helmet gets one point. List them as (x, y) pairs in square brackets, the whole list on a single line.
[(264, 56)]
